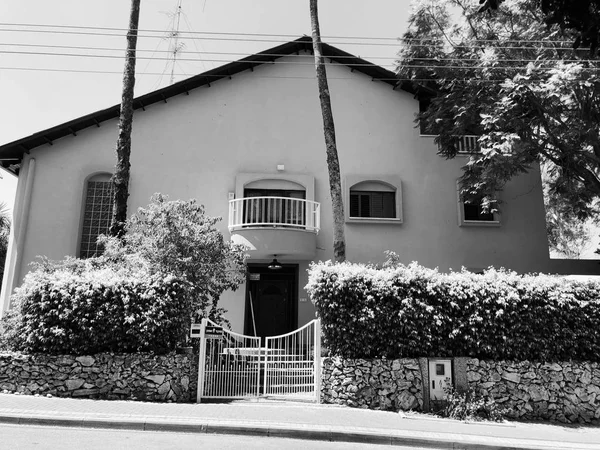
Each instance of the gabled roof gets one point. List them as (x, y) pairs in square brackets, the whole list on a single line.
[(12, 153)]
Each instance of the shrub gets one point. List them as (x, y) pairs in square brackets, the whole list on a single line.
[(467, 406), (64, 308), (399, 311), (170, 268)]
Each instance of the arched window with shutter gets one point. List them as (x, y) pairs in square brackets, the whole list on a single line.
[(373, 200)]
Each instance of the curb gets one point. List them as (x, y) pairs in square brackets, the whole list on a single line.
[(259, 430)]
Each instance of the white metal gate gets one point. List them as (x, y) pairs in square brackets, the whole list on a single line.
[(233, 365)]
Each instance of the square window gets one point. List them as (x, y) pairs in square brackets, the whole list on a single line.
[(440, 369), (474, 211), (471, 214)]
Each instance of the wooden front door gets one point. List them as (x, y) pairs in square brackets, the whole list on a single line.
[(271, 301)]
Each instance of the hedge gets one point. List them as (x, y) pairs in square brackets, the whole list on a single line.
[(410, 311), (99, 310)]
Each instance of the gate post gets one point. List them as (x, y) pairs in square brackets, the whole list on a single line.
[(201, 362), (317, 361)]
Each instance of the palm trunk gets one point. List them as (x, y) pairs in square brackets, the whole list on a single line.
[(333, 163), (121, 176)]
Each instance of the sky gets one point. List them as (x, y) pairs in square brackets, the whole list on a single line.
[(54, 88)]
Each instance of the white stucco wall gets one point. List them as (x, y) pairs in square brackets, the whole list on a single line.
[(194, 145)]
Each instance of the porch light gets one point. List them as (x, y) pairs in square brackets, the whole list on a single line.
[(275, 265)]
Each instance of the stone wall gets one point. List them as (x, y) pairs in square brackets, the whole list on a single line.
[(566, 392), (108, 376), (374, 384)]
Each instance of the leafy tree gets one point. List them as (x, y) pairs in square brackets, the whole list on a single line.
[(333, 163), (580, 16), (516, 83), (568, 236), (177, 238)]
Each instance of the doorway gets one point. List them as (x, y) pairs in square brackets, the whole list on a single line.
[(271, 300)]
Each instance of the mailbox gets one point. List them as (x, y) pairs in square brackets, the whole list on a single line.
[(440, 376), (196, 330)]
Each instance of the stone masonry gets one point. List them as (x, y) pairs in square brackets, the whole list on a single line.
[(107, 376), (375, 384), (567, 392)]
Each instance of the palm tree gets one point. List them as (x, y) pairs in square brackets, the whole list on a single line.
[(4, 217), (121, 176), (333, 163), (4, 232)]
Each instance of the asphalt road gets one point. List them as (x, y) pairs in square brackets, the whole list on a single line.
[(24, 437)]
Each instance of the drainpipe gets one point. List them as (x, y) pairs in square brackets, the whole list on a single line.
[(18, 234)]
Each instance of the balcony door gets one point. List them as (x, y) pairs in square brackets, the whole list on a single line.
[(271, 301), (271, 206)]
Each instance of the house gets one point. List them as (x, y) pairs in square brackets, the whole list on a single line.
[(246, 140)]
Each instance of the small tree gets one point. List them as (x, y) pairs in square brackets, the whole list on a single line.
[(178, 238)]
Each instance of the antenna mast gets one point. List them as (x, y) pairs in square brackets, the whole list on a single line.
[(174, 38)]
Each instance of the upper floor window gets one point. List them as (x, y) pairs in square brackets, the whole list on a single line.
[(97, 214), (475, 211), (373, 200), (473, 214), (372, 204)]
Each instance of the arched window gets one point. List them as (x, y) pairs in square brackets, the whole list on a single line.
[(97, 213), (374, 200)]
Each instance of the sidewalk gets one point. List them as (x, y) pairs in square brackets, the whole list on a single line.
[(294, 420)]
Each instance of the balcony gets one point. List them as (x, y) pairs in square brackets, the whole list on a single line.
[(468, 145), (275, 226)]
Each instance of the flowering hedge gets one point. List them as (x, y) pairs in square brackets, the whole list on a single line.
[(409, 311), (74, 311)]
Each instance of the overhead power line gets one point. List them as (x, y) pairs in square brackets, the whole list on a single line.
[(204, 38), (275, 55), (252, 37), (275, 77), (272, 35), (299, 63)]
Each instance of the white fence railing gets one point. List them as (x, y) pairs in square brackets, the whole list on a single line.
[(292, 363), (282, 212), (233, 365), (229, 365)]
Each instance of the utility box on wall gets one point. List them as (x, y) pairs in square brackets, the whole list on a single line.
[(440, 376)]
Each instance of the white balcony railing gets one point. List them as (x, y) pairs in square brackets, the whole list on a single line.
[(468, 144), (275, 212)]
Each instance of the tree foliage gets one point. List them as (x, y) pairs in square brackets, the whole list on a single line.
[(568, 236), (582, 16), (579, 16), (177, 238), (516, 83)]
